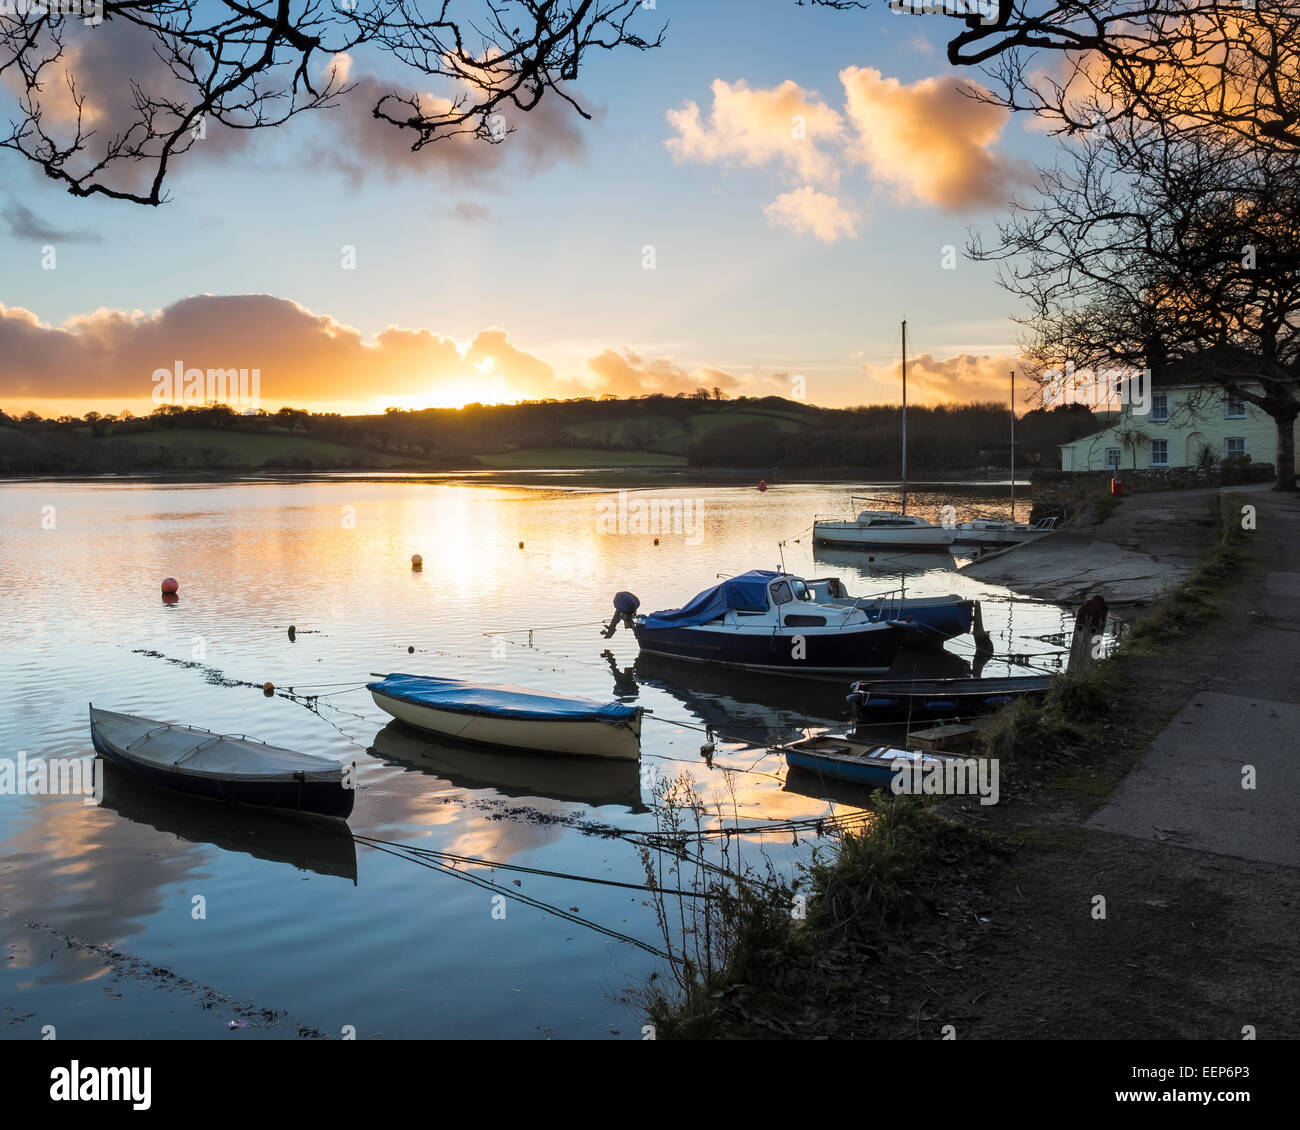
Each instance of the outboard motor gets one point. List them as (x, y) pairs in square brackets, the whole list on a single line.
[(625, 606)]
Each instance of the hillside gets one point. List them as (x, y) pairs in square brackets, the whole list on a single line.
[(767, 433)]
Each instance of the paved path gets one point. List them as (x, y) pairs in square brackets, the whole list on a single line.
[(1187, 789)]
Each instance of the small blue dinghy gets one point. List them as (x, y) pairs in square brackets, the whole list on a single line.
[(511, 717), (862, 763)]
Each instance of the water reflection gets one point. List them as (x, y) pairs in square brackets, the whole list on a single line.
[(593, 781), (322, 847)]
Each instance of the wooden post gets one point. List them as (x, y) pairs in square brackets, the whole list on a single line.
[(983, 641), (1089, 623)]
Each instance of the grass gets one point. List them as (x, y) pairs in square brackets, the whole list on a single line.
[(251, 449), (740, 954), (556, 458)]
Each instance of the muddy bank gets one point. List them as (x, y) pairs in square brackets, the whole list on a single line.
[(1148, 544)]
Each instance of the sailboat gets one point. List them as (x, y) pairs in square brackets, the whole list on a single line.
[(991, 532), (887, 529)]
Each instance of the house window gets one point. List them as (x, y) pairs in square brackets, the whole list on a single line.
[(1112, 458), (1160, 407), (1235, 447), (1236, 407), (1160, 453)]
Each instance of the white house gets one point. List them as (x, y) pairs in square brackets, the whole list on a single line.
[(1181, 420)]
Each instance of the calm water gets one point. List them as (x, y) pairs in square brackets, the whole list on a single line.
[(328, 934)]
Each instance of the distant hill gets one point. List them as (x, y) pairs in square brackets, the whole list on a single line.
[(757, 433)]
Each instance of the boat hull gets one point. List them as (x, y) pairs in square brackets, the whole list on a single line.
[(573, 738), (844, 652), (852, 535), (956, 698), (317, 797)]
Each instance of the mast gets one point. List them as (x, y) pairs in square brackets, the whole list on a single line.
[(1013, 445), (904, 415)]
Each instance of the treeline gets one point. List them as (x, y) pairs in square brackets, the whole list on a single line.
[(762, 432), (946, 438)]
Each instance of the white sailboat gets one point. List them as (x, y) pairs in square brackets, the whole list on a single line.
[(887, 529), (990, 532)]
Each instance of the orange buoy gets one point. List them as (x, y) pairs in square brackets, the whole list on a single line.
[(268, 689), (762, 484), (656, 541), (169, 585), (417, 562), (521, 545)]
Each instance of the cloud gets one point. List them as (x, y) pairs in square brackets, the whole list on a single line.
[(785, 126), (303, 357), (964, 378), (361, 144), (931, 140), (627, 374), (25, 224), (809, 212)]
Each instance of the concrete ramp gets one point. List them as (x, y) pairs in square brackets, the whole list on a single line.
[(1187, 789)]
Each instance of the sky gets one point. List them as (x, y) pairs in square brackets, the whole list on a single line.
[(755, 207)]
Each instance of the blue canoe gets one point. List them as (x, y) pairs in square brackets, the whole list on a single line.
[(511, 717)]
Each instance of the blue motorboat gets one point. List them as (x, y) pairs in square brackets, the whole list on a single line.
[(776, 621)]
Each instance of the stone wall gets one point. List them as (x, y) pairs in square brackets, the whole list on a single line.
[(1070, 494)]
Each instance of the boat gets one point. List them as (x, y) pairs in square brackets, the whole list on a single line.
[(511, 717), (887, 529), (842, 758), (598, 782), (774, 621), (998, 532), (239, 770), (943, 698)]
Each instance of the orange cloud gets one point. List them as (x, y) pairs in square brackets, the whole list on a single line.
[(304, 359), (962, 379), (931, 140), (626, 374), (809, 212), (783, 126)]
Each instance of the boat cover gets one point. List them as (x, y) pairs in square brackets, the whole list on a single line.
[(168, 746), (746, 593), (499, 702)]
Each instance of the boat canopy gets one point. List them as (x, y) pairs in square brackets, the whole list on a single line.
[(463, 697), (745, 593)]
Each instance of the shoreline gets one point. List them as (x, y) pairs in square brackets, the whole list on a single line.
[(1121, 792)]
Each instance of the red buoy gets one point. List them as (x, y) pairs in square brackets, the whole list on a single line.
[(762, 484), (169, 585)]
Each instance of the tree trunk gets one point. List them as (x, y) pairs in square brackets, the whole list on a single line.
[(1285, 461)]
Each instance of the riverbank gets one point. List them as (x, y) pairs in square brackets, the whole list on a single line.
[(1126, 885), (1143, 546)]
